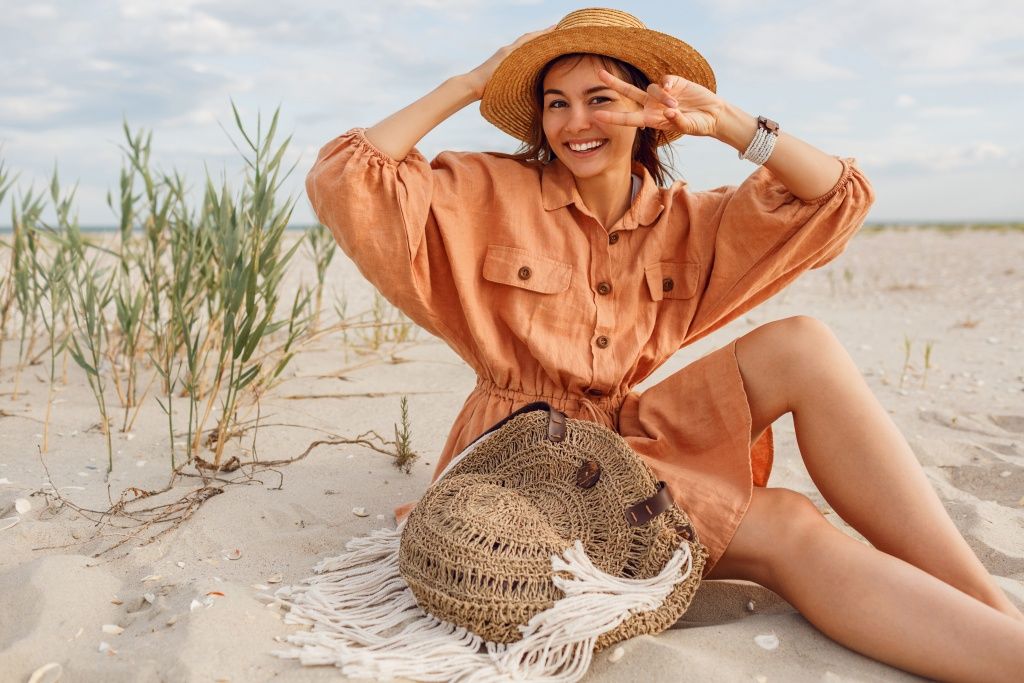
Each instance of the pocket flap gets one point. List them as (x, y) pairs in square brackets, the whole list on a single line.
[(520, 268), (672, 280)]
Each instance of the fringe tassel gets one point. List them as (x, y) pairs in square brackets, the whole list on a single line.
[(366, 621)]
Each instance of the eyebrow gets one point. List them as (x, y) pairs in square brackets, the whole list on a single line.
[(588, 91)]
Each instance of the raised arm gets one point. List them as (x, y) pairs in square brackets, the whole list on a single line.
[(399, 133), (679, 104)]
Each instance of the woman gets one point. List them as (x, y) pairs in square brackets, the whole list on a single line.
[(566, 274)]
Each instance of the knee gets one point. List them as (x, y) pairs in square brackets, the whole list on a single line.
[(789, 524), (801, 336)]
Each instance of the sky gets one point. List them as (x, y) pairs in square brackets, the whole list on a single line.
[(928, 96)]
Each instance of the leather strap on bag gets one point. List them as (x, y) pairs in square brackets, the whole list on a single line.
[(646, 510)]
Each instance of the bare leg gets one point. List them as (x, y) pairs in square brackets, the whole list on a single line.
[(868, 600), (855, 453)]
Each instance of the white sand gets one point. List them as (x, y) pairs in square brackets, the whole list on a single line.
[(966, 426)]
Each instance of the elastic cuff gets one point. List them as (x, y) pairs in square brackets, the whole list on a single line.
[(363, 143), (848, 164)]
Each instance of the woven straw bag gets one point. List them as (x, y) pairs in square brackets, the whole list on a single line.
[(544, 541)]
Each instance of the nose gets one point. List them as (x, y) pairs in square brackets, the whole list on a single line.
[(579, 120)]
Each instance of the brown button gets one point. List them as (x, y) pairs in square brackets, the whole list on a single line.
[(595, 392), (667, 285), (525, 273), (588, 474), (613, 238), (602, 341), (604, 288)]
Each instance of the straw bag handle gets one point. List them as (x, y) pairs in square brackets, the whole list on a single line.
[(556, 420)]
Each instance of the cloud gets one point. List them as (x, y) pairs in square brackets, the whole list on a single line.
[(922, 41)]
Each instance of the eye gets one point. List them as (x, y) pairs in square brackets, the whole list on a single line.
[(556, 104), (600, 99)]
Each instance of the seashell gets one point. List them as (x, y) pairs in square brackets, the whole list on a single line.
[(149, 597), (8, 522), (105, 647), (616, 655), (231, 553), (261, 586), (274, 578), (360, 512), (180, 564), (47, 673), (172, 620), (113, 629), (768, 641), (194, 605), (5, 480), (750, 605), (151, 577)]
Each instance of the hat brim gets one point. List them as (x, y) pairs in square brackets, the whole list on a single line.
[(508, 99)]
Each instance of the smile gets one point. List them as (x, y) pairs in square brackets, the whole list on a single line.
[(585, 147)]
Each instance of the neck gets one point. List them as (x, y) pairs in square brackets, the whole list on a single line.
[(607, 196)]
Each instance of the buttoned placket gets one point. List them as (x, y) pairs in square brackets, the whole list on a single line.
[(560, 191)]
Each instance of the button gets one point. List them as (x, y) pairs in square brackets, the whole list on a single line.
[(604, 288), (594, 392), (667, 285), (525, 273), (613, 238), (603, 341), (588, 474)]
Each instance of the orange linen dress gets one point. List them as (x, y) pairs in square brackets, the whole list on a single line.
[(502, 260)]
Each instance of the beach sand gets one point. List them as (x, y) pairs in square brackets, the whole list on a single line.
[(961, 291)]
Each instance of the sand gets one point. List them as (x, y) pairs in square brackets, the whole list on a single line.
[(964, 417)]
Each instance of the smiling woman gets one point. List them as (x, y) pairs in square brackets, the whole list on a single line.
[(568, 273)]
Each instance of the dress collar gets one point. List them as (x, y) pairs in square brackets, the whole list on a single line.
[(558, 189)]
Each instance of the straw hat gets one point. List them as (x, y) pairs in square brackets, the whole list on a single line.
[(508, 100), (546, 540)]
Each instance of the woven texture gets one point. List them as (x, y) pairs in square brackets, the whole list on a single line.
[(508, 100), (476, 550)]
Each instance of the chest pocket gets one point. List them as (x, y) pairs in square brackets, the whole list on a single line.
[(671, 280), (526, 270)]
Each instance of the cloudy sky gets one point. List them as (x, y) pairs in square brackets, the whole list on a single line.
[(928, 95)]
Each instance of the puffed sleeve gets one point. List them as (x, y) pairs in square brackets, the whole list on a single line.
[(758, 237), (379, 211)]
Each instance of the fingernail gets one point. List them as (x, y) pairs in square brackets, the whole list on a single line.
[(672, 102)]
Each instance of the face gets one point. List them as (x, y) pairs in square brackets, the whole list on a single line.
[(572, 93)]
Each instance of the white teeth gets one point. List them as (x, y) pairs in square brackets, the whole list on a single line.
[(585, 146)]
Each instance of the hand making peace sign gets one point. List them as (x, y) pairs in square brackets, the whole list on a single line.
[(675, 105)]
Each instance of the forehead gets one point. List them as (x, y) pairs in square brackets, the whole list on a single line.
[(577, 68)]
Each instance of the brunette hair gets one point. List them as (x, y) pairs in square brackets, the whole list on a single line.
[(645, 148)]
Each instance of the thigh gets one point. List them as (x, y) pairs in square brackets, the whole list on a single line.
[(776, 518)]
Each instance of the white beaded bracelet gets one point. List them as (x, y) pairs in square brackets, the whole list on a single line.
[(763, 144)]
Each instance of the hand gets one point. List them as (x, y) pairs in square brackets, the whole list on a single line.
[(675, 105), (478, 77)]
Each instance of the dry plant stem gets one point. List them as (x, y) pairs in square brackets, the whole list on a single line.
[(135, 524)]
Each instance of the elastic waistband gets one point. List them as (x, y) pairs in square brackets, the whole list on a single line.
[(601, 409)]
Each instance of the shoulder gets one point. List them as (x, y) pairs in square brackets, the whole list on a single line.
[(496, 174)]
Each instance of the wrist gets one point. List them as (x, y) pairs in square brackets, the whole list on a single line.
[(736, 128), (472, 87)]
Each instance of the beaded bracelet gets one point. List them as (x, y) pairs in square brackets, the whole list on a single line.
[(761, 146)]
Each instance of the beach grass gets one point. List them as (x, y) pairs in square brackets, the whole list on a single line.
[(180, 307)]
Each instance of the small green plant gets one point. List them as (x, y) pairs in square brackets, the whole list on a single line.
[(907, 345), (927, 361), (90, 289), (404, 455), (322, 248)]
